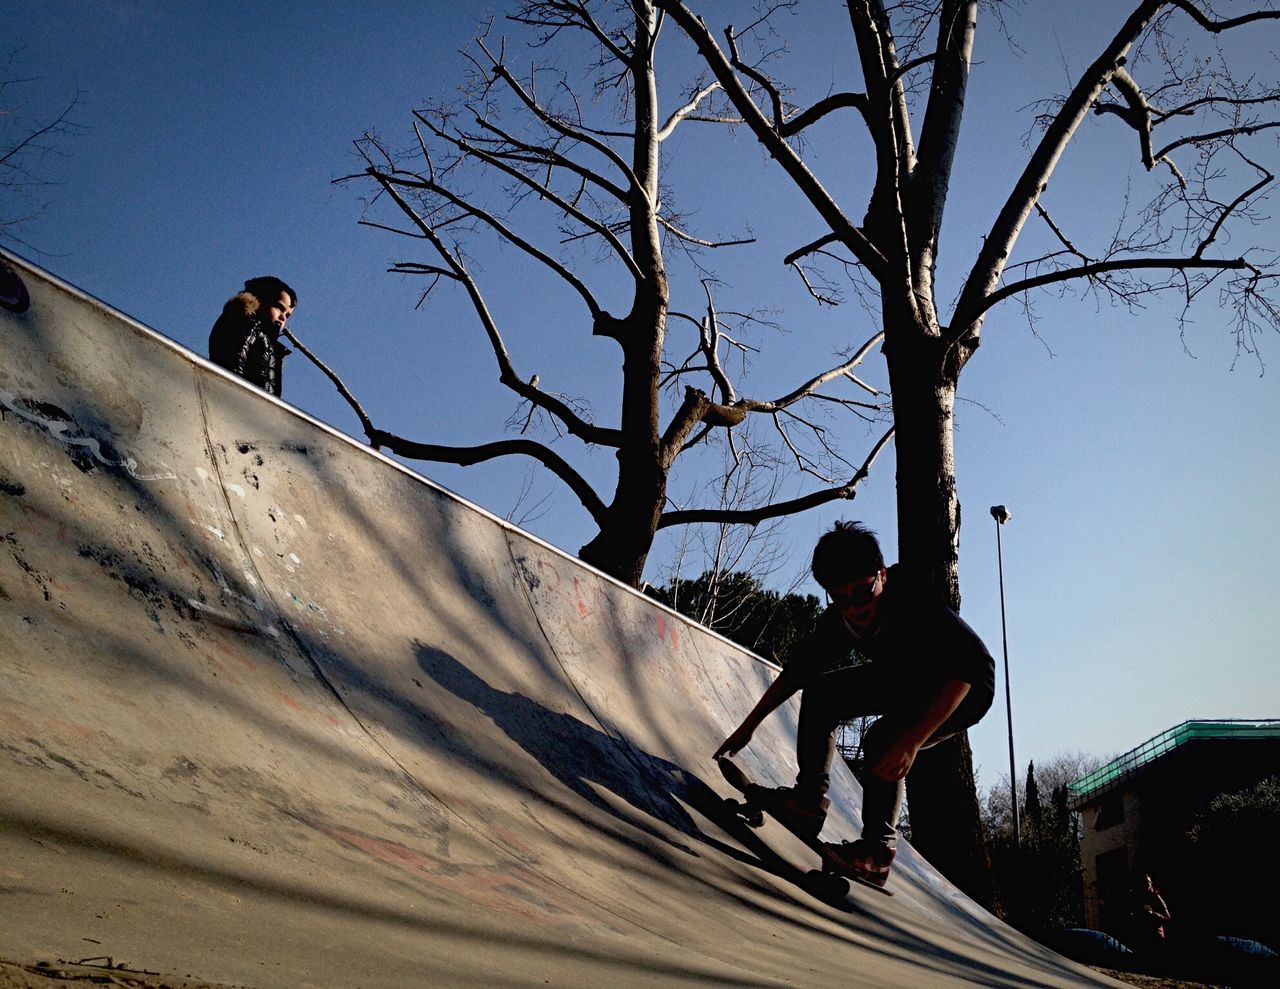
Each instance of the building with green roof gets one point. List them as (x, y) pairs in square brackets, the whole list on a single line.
[(1137, 809)]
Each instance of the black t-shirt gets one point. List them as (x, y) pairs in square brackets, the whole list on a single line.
[(917, 637)]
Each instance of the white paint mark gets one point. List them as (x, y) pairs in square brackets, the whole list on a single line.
[(300, 520), (57, 428), (223, 586), (216, 531), (235, 489), (294, 558)]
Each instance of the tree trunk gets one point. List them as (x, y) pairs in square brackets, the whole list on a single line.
[(945, 822), (625, 537), (622, 545)]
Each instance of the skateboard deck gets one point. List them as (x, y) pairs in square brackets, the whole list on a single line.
[(751, 810)]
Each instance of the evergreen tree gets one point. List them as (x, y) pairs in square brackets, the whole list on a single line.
[(740, 608), (1032, 801), (1038, 881)]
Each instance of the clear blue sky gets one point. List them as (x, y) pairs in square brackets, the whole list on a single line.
[(1141, 474)]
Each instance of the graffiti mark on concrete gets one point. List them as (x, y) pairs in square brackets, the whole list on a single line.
[(85, 449)]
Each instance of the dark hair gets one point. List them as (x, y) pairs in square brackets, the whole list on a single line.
[(849, 551), (267, 288)]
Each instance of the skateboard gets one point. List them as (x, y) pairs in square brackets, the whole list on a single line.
[(751, 810)]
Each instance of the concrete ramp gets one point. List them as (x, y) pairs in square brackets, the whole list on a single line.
[(275, 711)]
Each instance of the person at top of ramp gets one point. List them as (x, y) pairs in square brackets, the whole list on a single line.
[(246, 338), (925, 672)]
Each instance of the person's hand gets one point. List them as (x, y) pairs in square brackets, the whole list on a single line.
[(896, 761), (736, 742)]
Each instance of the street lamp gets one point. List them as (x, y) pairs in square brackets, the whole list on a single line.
[(1002, 515)]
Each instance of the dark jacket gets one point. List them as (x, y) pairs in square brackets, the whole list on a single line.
[(247, 344)]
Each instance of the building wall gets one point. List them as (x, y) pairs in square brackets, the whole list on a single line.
[(1106, 850), (1140, 827)]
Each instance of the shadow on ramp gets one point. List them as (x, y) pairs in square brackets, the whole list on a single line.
[(276, 711)]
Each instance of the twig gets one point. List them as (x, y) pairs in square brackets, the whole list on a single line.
[(365, 421)]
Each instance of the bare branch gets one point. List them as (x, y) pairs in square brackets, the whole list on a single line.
[(756, 76), (809, 248), (568, 14), (777, 146), (689, 238), (975, 297), (593, 224), (414, 268), (754, 516), (541, 154), (555, 123), (1138, 115), (709, 334), (466, 456), (666, 129), (416, 235), (803, 464), (404, 181), (1230, 208), (1218, 26), (822, 300), (698, 409), (813, 384), (1089, 271), (365, 422), (837, 101), (58, 123), (1226, 133), (507, 374)]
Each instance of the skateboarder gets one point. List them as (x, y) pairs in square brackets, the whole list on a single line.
[(926, 673)]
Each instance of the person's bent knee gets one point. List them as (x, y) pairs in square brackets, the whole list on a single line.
[(818, 708)]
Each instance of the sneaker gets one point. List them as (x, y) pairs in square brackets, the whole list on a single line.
[(860, 860), (801, 812)]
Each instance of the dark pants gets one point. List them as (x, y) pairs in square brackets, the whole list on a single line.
[(861, 691)]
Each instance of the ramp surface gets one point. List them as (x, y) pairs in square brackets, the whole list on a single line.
[(274, 711)]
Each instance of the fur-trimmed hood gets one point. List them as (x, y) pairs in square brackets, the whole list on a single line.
[(242, 304)]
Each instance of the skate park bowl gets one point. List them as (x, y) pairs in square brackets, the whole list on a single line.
[(277, 712)]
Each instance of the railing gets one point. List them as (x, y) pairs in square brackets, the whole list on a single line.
[(1105, 778)]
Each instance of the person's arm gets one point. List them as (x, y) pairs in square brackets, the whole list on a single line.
[(828, 636), (896, 760), (769, 701)]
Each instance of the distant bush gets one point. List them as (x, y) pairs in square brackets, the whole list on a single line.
[(1235, 842)]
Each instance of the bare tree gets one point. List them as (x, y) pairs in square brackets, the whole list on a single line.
[(27, 140), (1164, 83), (553, 167)]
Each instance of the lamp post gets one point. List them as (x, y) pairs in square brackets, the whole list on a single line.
[(1002, 515)]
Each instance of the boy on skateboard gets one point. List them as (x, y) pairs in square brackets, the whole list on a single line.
[(927, 674)]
